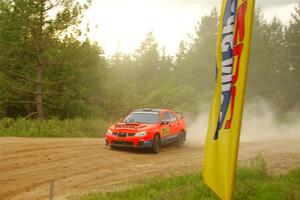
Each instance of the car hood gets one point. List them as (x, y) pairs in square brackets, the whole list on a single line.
[(132, 127)]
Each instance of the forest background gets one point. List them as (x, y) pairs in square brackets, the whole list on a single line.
[(50, 72)]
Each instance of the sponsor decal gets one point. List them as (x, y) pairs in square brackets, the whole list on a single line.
[(231, 47)]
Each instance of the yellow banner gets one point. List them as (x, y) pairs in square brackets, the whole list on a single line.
[(222, 140)]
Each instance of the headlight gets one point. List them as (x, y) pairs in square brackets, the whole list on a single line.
[(109, 132), (141, 134)]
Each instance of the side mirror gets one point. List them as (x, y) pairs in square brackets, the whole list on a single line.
[(164, 122)]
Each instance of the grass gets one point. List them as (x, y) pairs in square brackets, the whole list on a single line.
[(252, 183), (53, 128)]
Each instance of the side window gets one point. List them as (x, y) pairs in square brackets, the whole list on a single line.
[(172, 117), (166, 117)]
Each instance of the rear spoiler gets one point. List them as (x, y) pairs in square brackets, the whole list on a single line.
[(180, 114)]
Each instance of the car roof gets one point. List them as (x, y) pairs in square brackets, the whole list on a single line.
[(151, 109)]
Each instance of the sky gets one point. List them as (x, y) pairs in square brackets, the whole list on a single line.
[(121, 25)]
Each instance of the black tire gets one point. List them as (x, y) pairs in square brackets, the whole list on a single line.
[(155, 145), (181, 139)]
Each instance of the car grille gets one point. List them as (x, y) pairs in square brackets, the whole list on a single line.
[(123, 134), (124, 143)]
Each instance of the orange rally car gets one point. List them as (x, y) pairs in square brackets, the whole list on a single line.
[(148, 128)]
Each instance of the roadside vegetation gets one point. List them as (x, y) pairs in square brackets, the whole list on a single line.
[(53, 127), (252, 182)]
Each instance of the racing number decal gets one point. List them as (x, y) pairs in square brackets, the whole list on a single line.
[(165, 131)]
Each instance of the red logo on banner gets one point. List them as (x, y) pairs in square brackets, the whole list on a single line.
[(238, 41)]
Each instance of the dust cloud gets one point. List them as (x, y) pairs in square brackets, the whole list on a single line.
[(259, 123)]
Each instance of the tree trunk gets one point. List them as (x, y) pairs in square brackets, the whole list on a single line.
[(40, 63), (39, 91)]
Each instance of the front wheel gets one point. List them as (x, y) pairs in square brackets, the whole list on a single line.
[(155, 145)]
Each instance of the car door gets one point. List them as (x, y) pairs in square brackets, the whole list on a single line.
[(174, 124), (169, 130), (166, 131)]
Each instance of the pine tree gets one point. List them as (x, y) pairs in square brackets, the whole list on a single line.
[(31, 42)]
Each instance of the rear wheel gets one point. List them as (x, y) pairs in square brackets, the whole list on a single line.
[(155, 145), (181, 138)]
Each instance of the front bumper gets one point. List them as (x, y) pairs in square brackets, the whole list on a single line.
[(134, 142)]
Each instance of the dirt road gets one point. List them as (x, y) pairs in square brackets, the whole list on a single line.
[(81, 165)]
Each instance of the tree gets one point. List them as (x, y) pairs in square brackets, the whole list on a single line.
[(31, 41), (147, 58), (181, 53), (82, 72), (266, 58), (292, 65), (196, 62)]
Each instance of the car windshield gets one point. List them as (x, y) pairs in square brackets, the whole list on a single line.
[(142, 117)]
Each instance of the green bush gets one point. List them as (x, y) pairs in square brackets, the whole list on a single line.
[(252, 183), (53, 127)]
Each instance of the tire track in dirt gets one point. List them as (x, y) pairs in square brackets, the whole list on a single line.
[(44, 158), (27, 165)]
